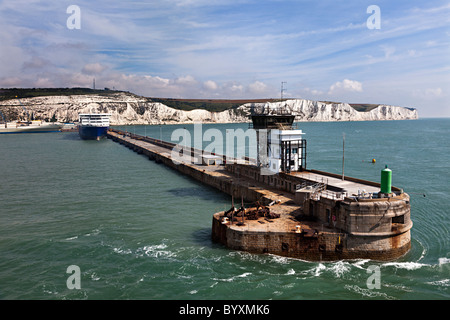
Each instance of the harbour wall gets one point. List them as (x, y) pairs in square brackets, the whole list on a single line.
[(223, 182), (324, 246)]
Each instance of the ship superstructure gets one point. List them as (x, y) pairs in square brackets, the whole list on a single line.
[(93, 126)]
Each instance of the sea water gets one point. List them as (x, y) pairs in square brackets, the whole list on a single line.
[(139, 230)]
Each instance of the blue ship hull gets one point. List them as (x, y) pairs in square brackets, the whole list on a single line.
[(91, 132)]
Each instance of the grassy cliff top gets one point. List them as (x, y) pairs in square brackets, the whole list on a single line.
[(6, 94)]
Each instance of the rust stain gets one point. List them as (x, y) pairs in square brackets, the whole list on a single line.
[(395, 241)]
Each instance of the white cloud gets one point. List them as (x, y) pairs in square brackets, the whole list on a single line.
[(233, 87), (346, 85), (36, 63), (93, 68), (11, 82), (388, 51), (429, 93), (257, 87), (210, 85), (436, 92), (310, 93), (185, 80), (44, 83), (180, 87)]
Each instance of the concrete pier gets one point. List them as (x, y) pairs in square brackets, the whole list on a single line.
[(216, 176), (310, 215)]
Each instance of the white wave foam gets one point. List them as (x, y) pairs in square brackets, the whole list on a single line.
[(317, 271), (244, 275), (48, 291), (290, 272), (94, 277), (155, 247), (280, 259), (411, 265), (359, 264), (157, 251), (371, 293), (340, 268), (93, 233), (440, 283), (122, 251), (405, 265), (71, 238)]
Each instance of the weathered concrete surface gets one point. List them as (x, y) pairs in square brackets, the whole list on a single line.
[(317, 241)]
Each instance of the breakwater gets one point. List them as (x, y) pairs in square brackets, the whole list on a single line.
[(216, 176), (310, 214)]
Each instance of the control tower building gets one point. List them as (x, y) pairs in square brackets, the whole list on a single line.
[(281, 147)]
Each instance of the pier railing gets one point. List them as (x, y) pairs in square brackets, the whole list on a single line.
[(194, 153), (264, 110), (280, 126)]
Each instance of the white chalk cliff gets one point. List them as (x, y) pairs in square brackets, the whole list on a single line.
[(308, 110), (127, 108)]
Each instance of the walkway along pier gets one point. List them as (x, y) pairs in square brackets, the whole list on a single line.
[(306, 214)]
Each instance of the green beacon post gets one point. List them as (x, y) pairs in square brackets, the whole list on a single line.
[(386, 180)]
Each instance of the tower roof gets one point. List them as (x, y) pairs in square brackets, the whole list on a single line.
[(272, 118)]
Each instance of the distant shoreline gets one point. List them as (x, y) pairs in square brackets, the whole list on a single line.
[(130, 109), (186, 104)]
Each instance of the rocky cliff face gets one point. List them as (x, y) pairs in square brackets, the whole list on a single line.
[(128, 109)]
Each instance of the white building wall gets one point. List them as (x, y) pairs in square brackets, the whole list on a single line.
[(275, 139)]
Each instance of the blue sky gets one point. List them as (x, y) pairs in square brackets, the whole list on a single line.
[(323, 50)]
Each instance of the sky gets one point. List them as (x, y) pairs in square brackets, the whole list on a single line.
[(381, 52)]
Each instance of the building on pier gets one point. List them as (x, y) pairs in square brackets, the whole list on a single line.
[(281, 147)]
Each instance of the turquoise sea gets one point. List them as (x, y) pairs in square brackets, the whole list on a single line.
[(139, 230)]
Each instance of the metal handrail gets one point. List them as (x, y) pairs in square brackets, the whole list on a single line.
[(282, 111)]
